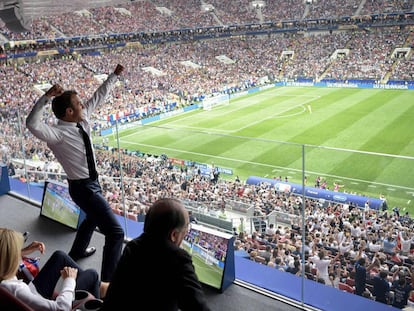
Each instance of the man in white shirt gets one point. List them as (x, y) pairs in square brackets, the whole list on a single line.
[(270, 230), (374, 246), (69, 140), (405, 243)]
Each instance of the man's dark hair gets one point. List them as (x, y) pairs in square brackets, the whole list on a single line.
[(383, 274), (62, 102), (402, 281), (361, 261), (164, 216)]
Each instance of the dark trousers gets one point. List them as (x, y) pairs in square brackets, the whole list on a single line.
[(87, 194), (47, 278)]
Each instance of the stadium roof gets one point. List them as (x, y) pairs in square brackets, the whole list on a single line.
[(36, 8), (18, 14)]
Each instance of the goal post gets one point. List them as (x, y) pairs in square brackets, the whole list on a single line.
[(207, 256), (215, 100)]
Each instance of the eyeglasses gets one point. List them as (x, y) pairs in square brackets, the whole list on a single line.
[(185, 229), (189, 227)]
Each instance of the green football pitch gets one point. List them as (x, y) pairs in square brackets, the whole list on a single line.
[(362, 139), (207, 273)]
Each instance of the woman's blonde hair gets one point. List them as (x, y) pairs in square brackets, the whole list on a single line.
[(11, 243)]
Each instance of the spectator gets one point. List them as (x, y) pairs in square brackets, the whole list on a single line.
[(295, 269), (192, 217), (401, 287), (235, 233), (321, 280), (334, 278), (389, 244), (156, 263), (266, 253), (361, 274), (405, 242), (381, 288), (321, 263), (374, 246), (270, 230), (280, 265), (40, 292), (68, 140)]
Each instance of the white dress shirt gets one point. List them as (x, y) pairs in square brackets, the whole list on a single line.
[(64, 138), (29, 295)]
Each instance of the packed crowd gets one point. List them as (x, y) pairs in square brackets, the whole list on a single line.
[(142, 91), (147, 16), (197, 71), (339, 243), (337, 235)]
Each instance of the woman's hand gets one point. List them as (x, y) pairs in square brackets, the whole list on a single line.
[(69, 272), (32, 247)]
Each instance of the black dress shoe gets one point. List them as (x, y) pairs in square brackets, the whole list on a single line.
[(89, 252), (26, 235)]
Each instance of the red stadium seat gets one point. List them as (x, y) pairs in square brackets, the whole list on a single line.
[(350, 282), (117, 211), (346, 288), (132, 216)]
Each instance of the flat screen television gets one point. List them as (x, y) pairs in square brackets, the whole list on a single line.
[(212, 252), (58, 206)]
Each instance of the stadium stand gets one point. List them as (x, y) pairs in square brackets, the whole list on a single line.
[(361, 42)]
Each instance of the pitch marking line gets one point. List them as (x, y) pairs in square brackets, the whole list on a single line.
[(280, 114)]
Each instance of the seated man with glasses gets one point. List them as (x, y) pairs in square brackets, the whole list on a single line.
[(154, 272)]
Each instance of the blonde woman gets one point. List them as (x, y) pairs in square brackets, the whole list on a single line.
[(40, 293)]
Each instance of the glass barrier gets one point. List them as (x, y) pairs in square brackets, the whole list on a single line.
[(297, 199)]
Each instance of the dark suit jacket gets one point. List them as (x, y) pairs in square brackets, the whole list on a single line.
[(155, 275)]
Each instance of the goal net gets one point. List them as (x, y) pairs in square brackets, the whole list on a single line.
[(215, 100), (206, 255)]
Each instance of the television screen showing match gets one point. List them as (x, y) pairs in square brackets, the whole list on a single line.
[(212, 252), (57, 205)]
